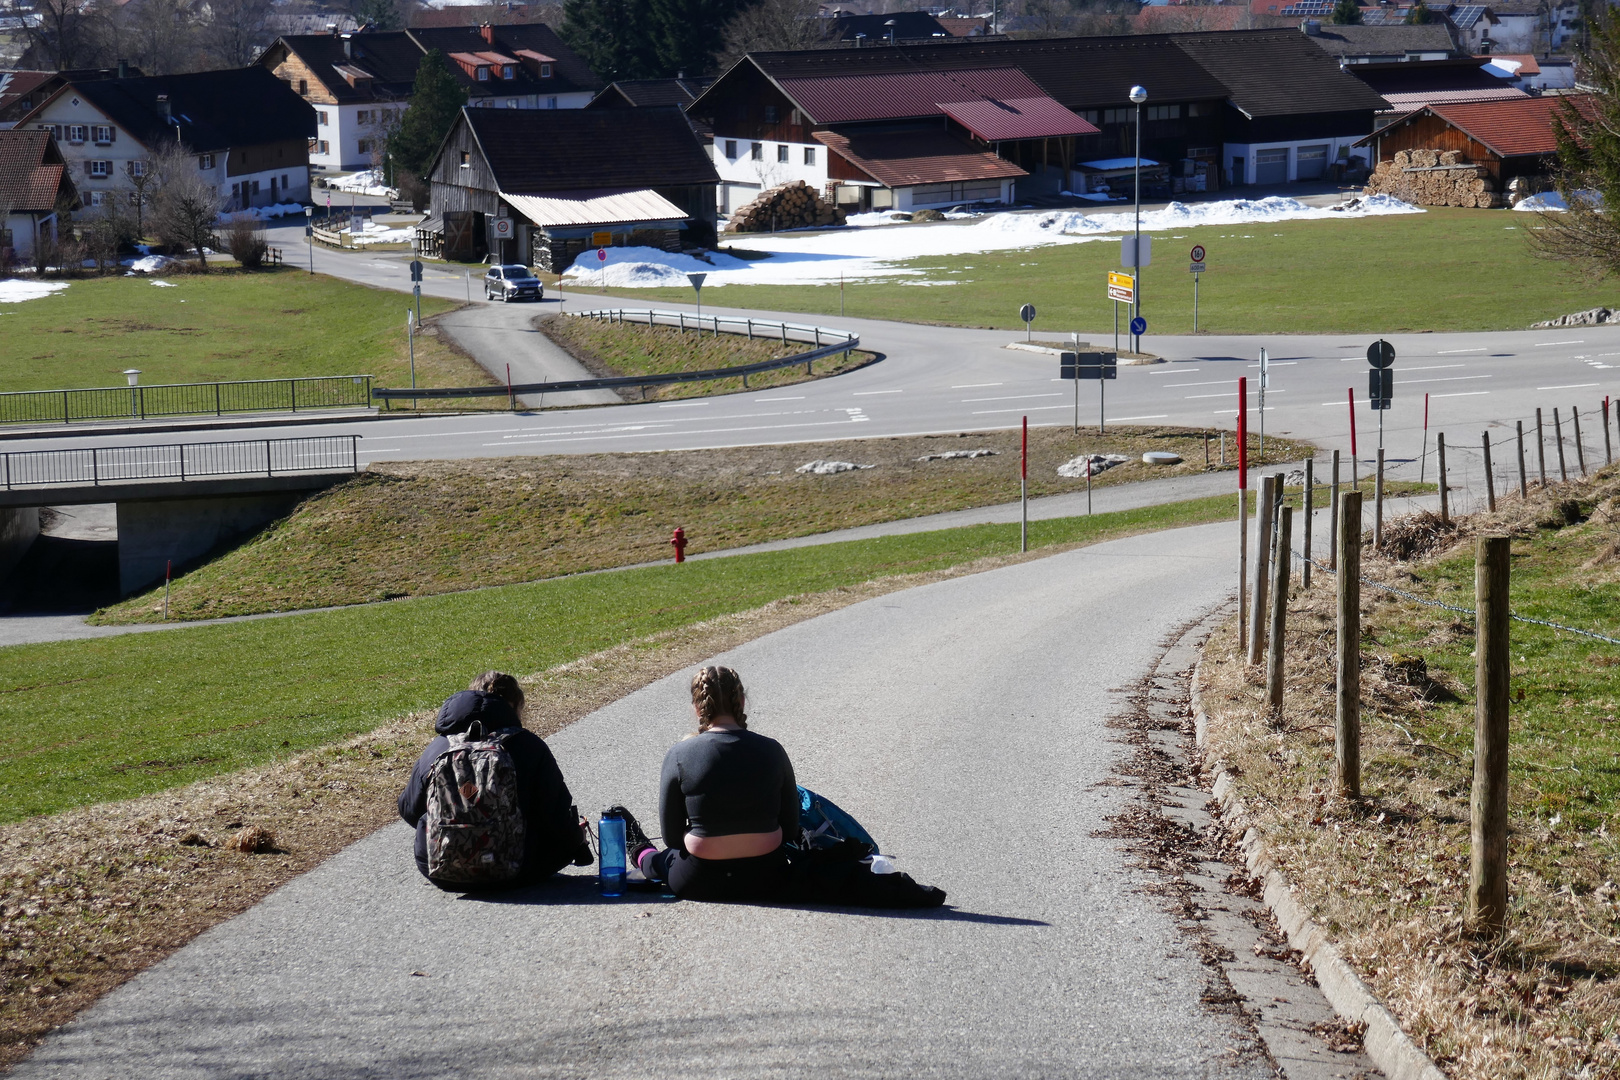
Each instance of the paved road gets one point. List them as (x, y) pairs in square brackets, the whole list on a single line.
[(964, 722)]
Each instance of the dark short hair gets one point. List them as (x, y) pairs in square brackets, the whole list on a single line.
[(502, 685)]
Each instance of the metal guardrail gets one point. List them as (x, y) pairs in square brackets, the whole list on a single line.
[(180, 461), (826, 342), (185, 399)]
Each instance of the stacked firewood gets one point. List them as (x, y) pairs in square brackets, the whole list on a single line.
[(793, 205), (1434, 178)]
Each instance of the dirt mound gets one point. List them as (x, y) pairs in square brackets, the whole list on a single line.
[(1420, 534)]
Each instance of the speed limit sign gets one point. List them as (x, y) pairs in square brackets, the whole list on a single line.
[(1198, 253)]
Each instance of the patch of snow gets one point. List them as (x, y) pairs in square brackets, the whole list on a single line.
[(1090, 464), (647, 268), (826, 468), (369, 182), (1552, 200), (150, 264), (15, 292), (372, 233), (952, 455), (164, 284), (265, 213)]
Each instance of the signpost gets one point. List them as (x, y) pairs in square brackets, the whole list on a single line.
[(416, 287), (1195, 268), (1260, 403), (601, 257), (1027, 313), (1096, 364), (697, 287), (1121, 290), (1136, 252)]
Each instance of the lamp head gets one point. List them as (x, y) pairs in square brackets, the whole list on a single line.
[(1138, 94)]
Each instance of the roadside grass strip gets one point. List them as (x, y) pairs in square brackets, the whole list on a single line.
[(1282, 277), (1387, 877)]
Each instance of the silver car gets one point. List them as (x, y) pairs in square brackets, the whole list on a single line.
[(512, 282)]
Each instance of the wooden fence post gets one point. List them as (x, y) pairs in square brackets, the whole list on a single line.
[(1347, 676), (1308, 503), (1262, 547), (1333, 517), (1580, 451), (1541, 449), (1440, 460), (1487, 875), (1279, 609), (1490, 480), (1524, 486), (1558, 437)]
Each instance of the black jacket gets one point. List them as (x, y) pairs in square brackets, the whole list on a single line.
[(552, 836)]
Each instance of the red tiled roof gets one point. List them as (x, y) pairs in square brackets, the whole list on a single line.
[(1511, 128), (904, 158), (29, 180), (844, 99), (1017, 118), (14, 84)]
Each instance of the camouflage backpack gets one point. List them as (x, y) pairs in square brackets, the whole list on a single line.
[(474, 820)]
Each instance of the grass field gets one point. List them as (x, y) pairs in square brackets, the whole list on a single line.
[(420, 528), (223, 325), (1447, 269), (152, 711), (1388, 873)]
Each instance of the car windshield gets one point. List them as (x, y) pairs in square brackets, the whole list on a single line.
[(516, 272)]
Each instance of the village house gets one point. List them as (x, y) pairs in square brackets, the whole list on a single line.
[(1408, 86), (248, 132), (1382, 44), (657, 94), (20, 91), (360, 83), (35, 190), (1509, 138), (542, 186)]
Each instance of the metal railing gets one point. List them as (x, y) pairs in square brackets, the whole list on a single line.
[(824, 341), (180, 461), (185, 399)]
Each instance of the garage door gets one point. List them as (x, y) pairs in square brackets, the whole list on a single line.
[(1312, 162), (1271, 166)]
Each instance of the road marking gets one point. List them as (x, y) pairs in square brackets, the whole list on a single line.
[(1278, 363), (1213, 382), (1542, 344), (869, 393), (1122, 419), (1233, 412), (384, 449), (1252, 393), (1432, 367), (1454, 352), (976, 385), (1006, 397), (683, 405), (799, 398), (1464, 393), (707, 431), (1568, 386), (1177, 371), (1037, 408), (1448, 378), (448, 434)]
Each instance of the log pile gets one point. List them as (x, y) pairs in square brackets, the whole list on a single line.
[(793, 205), (1434, 178)]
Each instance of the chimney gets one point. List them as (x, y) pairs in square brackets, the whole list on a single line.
[(123, 68), (487, 32), (332, 28), (1312, 27), (164, 109)]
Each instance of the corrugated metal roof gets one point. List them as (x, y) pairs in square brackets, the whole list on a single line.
[(1420, 98), (595, 207), (845, 99), (1017, 118), (905, 158)]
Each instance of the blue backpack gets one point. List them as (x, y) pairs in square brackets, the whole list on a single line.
[(827, 827)]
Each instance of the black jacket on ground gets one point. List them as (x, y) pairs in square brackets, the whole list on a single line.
[(551, 833)]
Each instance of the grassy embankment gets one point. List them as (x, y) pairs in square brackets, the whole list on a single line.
[(1387, 876), (1383, 274), (608, 349), (223, 325), (421, 528)]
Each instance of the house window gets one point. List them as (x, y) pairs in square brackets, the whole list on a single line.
[(1091, 116), (255, 187), (303, 87), (466, 159), (770, 114), (137, 169), (206, 161), (98, 168), (323, 147), (102, 133), (511, 103), (236, 192), (1201, 108), (809, 155), (1164, 112), (284, 184), (508, 71), (97, 197), (76, 133), (321, 115), (483, 74), (782, 154), (731, 149), (757, 152), (545, 71), (551, 103), (364, 146)]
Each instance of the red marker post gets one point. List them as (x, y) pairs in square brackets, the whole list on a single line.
[(1243, 509), (1023, 488), (1354, 482)]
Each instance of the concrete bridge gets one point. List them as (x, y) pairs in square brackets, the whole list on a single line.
[(176, 502)]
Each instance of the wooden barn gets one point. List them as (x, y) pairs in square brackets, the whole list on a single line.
[(1508, 138)]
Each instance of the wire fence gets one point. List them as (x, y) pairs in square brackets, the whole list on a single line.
[(185, 399), (179, 461)]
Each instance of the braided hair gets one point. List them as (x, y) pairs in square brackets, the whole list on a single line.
[(717, 692)]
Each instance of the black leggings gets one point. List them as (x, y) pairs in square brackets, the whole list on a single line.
[(788, 875), (761, 878)]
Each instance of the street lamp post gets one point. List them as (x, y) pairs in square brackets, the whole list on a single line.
[(1138, 96), (309, 236)]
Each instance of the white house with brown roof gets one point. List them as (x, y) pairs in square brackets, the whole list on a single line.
[(34, 189)]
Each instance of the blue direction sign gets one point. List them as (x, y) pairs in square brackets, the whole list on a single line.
[(1139, 325)]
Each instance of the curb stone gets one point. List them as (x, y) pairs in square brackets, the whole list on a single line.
[(1387, 1044)]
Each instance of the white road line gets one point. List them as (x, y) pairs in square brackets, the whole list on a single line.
[(976, 385), (1252, 393), (1432, 367), (1233, 412), (1569, 386), (448, 434), (1454, 352), (1544, 344), (799, 398), (1448, 378), (1006, 397), (1278, 363), (1177, 371), (1122, 419), (705, 431), (1037, 408), (1465, 393), (870, 393), (1212, 382), (683, 405)]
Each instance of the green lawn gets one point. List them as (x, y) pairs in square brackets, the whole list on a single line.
[(227, 324), (1446, 269), (91, 721)]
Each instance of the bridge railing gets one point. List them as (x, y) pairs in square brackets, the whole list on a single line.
[(185, 399), (180, 461)]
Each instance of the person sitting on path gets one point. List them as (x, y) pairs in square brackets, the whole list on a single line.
[(729, 807), (554, 835)]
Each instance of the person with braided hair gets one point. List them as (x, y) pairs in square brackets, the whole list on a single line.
[(729, 808)]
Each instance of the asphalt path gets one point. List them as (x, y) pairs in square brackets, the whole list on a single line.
[(964, 722)]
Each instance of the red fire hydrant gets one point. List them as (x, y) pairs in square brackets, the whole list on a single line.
[(678, 542)]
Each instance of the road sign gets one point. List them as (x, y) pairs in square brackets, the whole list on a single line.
[(1380, 354), (1095, 364), (601, 255), (696, 280), (1027, 313), (416, 269), (1195, 268), (503, 228), (1198, 253), (1265, 370), (1380, 387), (1139, 326), (1130, 256), (1121, 287)]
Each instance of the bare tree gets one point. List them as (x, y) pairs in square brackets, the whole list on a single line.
[(185, 206), (237, 31), (1587, 234), (106, 230), (63, 35), (770, 26), (165, 37)]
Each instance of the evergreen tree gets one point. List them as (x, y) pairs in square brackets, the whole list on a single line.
[(1588, 171), (687, 34), (436, 101), (615, 37), (382, 14), (1346, 13), (1419, 14)]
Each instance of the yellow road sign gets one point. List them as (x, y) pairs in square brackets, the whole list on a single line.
[(1121, 287)]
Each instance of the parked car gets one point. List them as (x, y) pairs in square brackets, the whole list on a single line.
[(510, 282)]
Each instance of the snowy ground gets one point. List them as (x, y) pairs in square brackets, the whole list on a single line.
[(373, 233), (15, 292), (863, 254), (364, 183)]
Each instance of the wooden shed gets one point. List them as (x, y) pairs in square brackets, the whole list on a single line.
[(1509, 138)]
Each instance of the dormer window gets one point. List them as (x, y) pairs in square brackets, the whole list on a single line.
[(483, 73), (508, 71), (545, 71)]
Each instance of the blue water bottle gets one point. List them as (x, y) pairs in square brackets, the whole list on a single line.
[(610, 840)]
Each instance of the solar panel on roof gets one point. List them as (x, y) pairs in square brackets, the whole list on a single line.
[(1466, 14), (1309, 7)]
